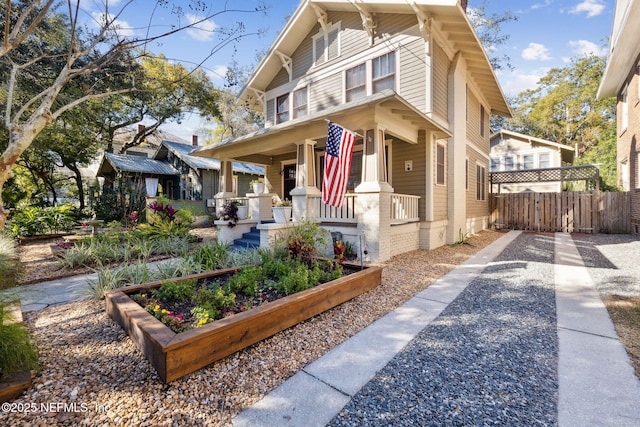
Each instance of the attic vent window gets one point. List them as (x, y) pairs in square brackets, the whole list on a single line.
[(326, 44)]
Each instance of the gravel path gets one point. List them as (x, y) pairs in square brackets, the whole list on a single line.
[(489, 359), (87, 359), (613, 262)]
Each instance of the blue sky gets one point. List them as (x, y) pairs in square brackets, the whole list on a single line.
[(547, 34)]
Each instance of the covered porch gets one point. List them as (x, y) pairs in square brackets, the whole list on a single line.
[(388, 205)]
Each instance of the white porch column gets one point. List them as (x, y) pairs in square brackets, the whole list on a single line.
[(373, 204), (305, 178), (226, 183), (374, 164), (456, 150)]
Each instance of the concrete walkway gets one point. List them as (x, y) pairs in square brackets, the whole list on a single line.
[(597, 385)]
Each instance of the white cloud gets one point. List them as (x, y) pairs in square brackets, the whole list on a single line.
[(516, 81), (590, 7), (585, 48), (536, 52), (218, 72), (202, 31), (122, 28)]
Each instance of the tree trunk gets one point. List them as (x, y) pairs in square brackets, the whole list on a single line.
[(20, 138), (77, 176)]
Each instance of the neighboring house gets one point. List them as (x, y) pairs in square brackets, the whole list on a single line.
[(622, 79), (414, 80), (180, 175), (513, 151)]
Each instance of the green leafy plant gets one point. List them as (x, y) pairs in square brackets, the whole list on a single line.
[(9, 262), (245, 281), (175, 290), (17, 352)]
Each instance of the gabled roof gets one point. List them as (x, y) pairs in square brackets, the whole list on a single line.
[(452, 19), (134, 164), (183, 152), (624, 48), (567, 154)]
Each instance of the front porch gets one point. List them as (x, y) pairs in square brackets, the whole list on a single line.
[(377, 225), (391, 205)]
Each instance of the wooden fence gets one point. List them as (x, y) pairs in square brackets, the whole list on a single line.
[(569, 212)]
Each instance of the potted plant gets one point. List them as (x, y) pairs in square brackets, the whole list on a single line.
[(282, 211), (230, 213), (257, 185), (243, 210)]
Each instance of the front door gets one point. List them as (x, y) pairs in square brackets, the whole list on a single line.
[(289, 177)]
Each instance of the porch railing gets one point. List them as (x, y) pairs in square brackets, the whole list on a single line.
[(325, 213), (404, 208)]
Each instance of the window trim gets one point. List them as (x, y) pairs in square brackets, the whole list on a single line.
[(392, 76), (624, 105), (466, 174), (347, 90), (481, 182), (294, 109), (482, 119), (287, 111), (325, 35), (443, 164)]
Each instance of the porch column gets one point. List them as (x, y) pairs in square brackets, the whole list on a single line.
[(373, 204), (374, 163), (305, 179), (226, 183)]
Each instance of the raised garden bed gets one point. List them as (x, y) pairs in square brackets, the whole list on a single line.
[(174, 355)]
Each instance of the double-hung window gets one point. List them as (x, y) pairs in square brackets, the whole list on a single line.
[(356, 82), (508, 163), (299, 102), (527, 161), (383, 72), (282, 108), (440, 164), (544, 160)]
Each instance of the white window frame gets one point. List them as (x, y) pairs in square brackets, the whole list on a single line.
[(540, 155), (348, 90), (481, 182), (325, 36), (624, 106), (524, 163), (391, 76), (295, 109), (444, 164), (513, 163), (288, 110)]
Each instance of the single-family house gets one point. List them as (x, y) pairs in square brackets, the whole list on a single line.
[(176, 174), (514, 151), (412, 79), (622, 79)]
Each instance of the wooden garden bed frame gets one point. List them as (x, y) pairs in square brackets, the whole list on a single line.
[(174, 355)]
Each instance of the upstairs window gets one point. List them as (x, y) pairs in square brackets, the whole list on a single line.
[(299, 102), (383, 72), (527, 161), (508, 163), (282, 108), (356, 83), (480, 182), (482, 113), (326, 46), (624, 106)]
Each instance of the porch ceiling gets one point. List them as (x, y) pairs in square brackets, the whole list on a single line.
[(386, 109)]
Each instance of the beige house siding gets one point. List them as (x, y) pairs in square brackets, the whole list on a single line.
[(441, 65), (474, 127), (270, 116), (413, 74), (477, 208), (273, 172), (325, 93), (440, 192), (410, 182)]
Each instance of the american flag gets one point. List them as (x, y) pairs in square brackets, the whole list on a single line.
[(337, 163)]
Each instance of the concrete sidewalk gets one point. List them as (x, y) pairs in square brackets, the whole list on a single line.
[(597, 385)]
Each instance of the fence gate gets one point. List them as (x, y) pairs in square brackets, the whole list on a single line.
[(569, 212)]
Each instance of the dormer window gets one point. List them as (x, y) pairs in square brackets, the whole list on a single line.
[(326, 45)]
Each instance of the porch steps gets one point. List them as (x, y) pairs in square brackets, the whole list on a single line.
[(250, 240)]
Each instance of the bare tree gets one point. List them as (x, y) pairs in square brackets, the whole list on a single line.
[(44, 42)]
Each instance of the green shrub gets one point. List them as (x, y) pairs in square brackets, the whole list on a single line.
[(212, 256), (296, 281), (34, 220), (9, 262), (175, 290), (303, 242), (245, 281), (17, 353)]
